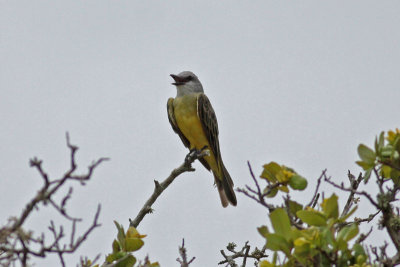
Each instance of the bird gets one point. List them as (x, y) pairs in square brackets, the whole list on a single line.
[(192, 117)]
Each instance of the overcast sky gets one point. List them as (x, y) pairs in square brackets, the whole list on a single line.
[(301, 83)]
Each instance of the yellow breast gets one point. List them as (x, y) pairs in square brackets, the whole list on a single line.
[(185, 110)]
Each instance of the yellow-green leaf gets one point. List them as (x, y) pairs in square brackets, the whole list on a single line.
[(281, 223), (263, 230), (132, 232), (385, 171), (133, 244), (301, 245), (121, 234), (266, 263), (330, 207), (270, 170), (277, 242), (283, 188), (312, 217), (115, 246)]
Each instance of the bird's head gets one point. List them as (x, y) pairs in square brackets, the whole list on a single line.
[(187, 82)]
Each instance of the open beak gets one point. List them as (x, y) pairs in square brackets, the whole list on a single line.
[(178, 80)]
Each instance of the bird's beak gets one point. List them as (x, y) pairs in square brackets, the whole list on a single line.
[(178, 80)]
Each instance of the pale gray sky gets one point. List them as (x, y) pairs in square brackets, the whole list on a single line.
[(301, 83)]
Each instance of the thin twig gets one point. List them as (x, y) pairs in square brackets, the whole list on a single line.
[(316, 195), (182, 252), (257, 254), (354, 186), (258, 194), (342, 187)]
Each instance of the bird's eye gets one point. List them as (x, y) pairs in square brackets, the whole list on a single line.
[(190, 77)]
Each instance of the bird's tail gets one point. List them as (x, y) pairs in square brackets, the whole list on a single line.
[(225, 188)]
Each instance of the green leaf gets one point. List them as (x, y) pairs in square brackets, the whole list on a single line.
[(364, 165), (312, 217), (294, 207), (396, 155), (379, 142), (386, 152), (327, 237), (115, 256), (277, 242), (297, 182), (272, 193), (115, 246), (133, 244), (263, 230), (367, 175), (281, 223), (330, 207), (395, 175), (275, 257), (385, 171), (358, 250), (121, 234), (266, 263), (127, 261), (396, 142), (366, 154), (348, 232)]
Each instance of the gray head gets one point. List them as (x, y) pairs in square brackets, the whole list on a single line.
[(187, 82)]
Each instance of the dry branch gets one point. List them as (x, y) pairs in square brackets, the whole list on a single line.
[(186, 166), (18, 244)]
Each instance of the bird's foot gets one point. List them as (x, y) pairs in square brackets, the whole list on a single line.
[(196, 154)]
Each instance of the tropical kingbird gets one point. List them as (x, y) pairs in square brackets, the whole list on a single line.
[(193, 119)]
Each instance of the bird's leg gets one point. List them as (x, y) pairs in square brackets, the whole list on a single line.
[(204, 148), (196, 153), (205, 151), (190, 155)]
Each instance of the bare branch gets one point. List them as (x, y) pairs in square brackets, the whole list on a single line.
[(258, 195), (342, 187), (183, 257), (354, 186), (16, 243), (315, 197), (186, 166), (257, 254)]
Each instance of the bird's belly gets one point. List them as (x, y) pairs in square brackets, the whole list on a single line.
[(191, 127)]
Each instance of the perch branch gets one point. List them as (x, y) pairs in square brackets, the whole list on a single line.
[(186, 166)]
